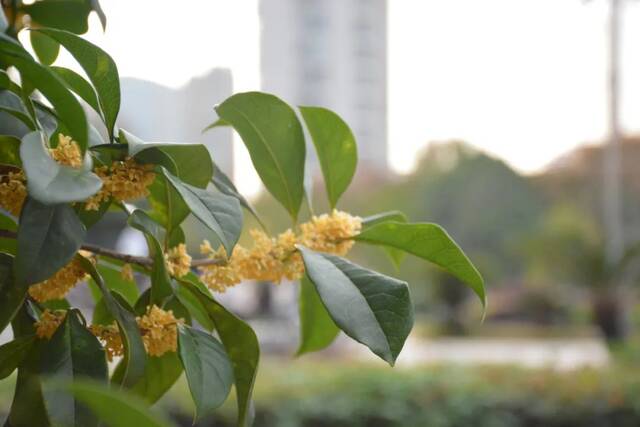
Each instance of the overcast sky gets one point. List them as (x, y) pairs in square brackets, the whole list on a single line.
[(522, 79)]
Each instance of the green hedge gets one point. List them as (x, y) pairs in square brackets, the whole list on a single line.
[(321, 394)]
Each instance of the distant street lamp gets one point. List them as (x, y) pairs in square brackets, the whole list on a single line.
[(612, 191)]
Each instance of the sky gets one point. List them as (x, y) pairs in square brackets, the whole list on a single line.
[(524, 80)]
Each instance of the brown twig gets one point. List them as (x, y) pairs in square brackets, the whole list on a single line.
[(130, 259)]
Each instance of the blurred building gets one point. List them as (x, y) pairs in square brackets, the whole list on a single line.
[(331, 53), (158, 113)]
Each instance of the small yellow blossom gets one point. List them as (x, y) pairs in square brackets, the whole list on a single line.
[(127, 272), (13, 192), (178, 260), (48, 323), (110, 336), (274, 259), (218, 277), (159, 330), (124, 180), (57, 286), (67, 152), (330, 233)]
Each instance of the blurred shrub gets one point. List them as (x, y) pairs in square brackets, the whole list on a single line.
[(323, 394)]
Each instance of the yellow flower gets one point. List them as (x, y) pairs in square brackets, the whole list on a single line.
[(127, 272), (330, 233), (57, 286), (13, 192), (110, 336), (159, 330), (274, 259), (218, 277), (67, 152), (178, 260), (124, 180), (48, 323)]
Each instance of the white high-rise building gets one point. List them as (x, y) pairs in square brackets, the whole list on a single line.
[(331, 53), (158, 113)]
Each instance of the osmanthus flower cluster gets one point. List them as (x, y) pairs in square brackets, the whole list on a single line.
[(155, 317)]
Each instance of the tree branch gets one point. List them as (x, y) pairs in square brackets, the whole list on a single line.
[(130, 259)]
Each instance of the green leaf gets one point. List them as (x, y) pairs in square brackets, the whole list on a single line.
[(370, 221), (46, 49), (430, 242), (161, 288), (7, 244), (10, 151), (100, 68), (317, 329), (135, 354), (115, 408), (336, 148), (216, 124), (27, 409), (12, 294), (273, 135), (241, 345), (65, 14), (114, 281), (395, 255), (48, 181), (208, 369), (77, 83), (67, 107), (220, 213), (371, 308), (193, 305), (72, 353), (224, 184), (48, 238), (13, 103), (13, 353), (189, 162), (160, 374)]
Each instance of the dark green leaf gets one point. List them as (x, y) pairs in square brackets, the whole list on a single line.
[(135, 354), (51, 86), (113, 280), (46, 49), (241, 345), (193, 305), (371, 308), (27, 409), (7, 244), (430, 242), (115, 408), (77, 83), (220, 213), (10, 151), (336, 148), (208, 369), (159, 375), (12, 294), (13, 353), (48, 181), (396, 255), (189, 162), (273, 135), (317, 330), (224, 184), (48, 238), (160, 281), (69, 15), (72, 353), (100, 69)]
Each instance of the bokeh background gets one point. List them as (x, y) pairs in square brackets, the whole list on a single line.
[(515, 124)]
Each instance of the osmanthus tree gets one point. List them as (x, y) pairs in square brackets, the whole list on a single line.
[(58, 177)]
